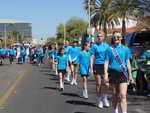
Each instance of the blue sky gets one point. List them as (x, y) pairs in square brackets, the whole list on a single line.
[(44, 15)]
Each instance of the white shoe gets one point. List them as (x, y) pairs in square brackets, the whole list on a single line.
[(100, 104), (85, 94), (68, 79), (72, 82), (65, 78), (61, 86), (115, 110), (75, 82), (106, 102)]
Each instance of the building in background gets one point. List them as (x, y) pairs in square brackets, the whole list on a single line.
[(9, 27)]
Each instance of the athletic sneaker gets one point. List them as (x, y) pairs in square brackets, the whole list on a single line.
[(75, 82), (72, 82), (67, 79), (100, 104), (115, 110), (39, 64), (106, 102), (85, 94), (61, 87)]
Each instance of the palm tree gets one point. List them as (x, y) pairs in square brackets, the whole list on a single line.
[(125, 9), (102, 14)]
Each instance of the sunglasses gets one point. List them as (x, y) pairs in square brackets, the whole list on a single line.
[(117, 37)]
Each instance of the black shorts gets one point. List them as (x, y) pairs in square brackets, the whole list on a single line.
[(84, 75), (116, 77), (63, 71), (98, 69)]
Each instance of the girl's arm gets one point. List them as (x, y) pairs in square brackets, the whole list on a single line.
[(91, 62), (129, 71)]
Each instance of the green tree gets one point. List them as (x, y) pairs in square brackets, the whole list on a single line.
[(74, 27)]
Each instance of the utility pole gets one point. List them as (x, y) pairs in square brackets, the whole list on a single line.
[(89, 13), (64, 32), (5, 35)]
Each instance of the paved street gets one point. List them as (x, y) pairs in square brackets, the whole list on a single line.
[(37, 92)]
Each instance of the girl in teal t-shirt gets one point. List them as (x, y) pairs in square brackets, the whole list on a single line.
[(62, 63), (84, 63)]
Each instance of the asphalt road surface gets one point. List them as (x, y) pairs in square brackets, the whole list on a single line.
[(37, 92)]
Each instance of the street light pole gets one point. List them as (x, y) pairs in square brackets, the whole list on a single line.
[(5, 37), (64, 33), (89, 13)]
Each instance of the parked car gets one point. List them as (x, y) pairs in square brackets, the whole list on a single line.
[(139, 42)]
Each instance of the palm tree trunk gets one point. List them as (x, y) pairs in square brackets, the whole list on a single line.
[(123, 26), (105, 30)]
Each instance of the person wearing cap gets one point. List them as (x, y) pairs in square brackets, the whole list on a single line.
[(118, 63), (98, 53)]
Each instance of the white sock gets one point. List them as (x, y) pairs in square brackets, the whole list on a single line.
[(115, 110), (101, 98), (105, 97), (124, 112)]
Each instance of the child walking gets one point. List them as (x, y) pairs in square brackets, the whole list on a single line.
[(84, 63), (62, 62)]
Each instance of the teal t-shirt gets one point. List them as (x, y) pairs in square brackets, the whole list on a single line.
[(66, 48), (11, 51), (74, 53), (84, 62), (146, 55), (2, 51), (123, 53), (99, 52), (40, 52), (62, 62)]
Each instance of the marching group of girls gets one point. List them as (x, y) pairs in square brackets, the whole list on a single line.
[(101, 60), (9, 52), (22, 53)]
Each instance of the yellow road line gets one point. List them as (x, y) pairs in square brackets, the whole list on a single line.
[(10, 90)]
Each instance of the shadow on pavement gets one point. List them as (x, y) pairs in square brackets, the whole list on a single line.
[(71, 95), (54, 78), (44, 70), (52, 88), (50, 74), (77, 102), (65, 83), (138, 99), (80, 112)]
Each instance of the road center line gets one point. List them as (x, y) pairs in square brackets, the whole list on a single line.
[(10, 89)]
